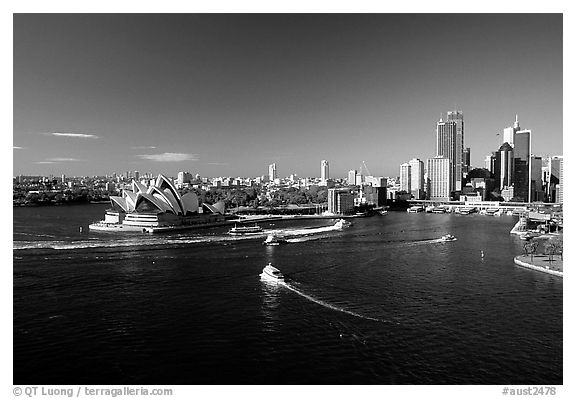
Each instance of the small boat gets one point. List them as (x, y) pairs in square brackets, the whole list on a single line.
[(245, 230), (273, 240), (448, 238), (272, 273)]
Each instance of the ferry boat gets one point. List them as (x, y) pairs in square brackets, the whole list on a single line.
[(439, 210), (467, 210), (273, 240), (272, 273), (341, 224), (448, 238), (415, 209), (256, 229)]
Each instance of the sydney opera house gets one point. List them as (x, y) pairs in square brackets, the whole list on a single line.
[(159, 205)]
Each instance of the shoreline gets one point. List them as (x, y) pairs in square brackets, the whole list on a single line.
[(524, 261)]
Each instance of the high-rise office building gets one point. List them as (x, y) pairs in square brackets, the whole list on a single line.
[(522, 165), (272, 172), (450, 143), (405, 177), (537, 189), (324, 170), (466, 161), (504, 166), (416, 178), (458, 162), (439, 178), (352, 177)]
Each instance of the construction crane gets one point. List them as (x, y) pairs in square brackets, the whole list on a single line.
[(365, 167)]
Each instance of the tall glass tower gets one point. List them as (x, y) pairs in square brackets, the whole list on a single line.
[(450, 144)]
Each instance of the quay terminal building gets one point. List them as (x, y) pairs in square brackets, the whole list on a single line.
[(157, 206)]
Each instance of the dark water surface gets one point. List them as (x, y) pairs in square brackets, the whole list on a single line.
[(382, 302)]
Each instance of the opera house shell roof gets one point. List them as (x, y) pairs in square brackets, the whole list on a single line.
[(162, 197)]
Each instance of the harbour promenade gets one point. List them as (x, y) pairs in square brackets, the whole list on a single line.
[(541, 262)]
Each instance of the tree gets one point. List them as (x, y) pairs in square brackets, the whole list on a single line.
[(530, 248)]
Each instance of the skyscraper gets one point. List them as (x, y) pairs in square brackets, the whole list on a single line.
[(450, 143), (272, 172), (504, 166), (466, 161), (522, 165), (416, 178), (458, 162), (510, 132), (324, 170), (439, 178), (536, 187), (405, 177)]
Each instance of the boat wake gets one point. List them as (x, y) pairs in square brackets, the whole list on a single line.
[(421, 242), (327, 305), (297, 235)]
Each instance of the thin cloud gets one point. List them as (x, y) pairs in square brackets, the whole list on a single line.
[(73, 135), (59, 160), (45, 162), (217, 164), (17, 147), (170, 157), (143, 147)]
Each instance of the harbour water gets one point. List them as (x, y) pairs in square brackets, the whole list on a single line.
[(382, 302)]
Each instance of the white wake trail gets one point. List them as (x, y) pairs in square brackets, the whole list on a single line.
[(327, 305)]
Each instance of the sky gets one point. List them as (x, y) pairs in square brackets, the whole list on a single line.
[(228, 94)]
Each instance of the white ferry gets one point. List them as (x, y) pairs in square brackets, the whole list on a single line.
[(448, 238), (256, 229), (273, 240), (415, 209), (272, 273)]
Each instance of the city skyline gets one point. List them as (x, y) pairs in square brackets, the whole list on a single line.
[(228, 95)]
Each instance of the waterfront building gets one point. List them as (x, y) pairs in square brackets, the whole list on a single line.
[(416, 178), (560, 189), (159, 205), (272, 172), (324, 170), (63, 180), (340, 201), (405, 177), (439, 178), (374, 195), (553, 180), (352, 177)]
